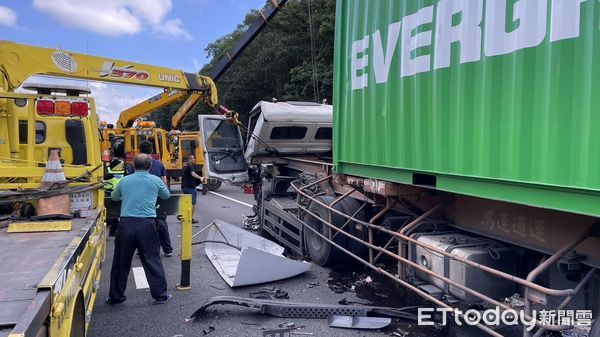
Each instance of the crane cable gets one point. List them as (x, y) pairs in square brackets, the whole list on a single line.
[(311, 30)]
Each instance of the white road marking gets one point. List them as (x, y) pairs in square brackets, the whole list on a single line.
[(140, 278), (228, 198)]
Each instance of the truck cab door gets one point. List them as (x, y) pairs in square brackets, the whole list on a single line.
[(223, 149)]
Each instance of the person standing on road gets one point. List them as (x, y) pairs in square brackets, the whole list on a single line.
[(138, 194), (189, 181), (158, 169)]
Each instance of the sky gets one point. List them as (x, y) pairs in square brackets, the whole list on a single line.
[(169, 33)]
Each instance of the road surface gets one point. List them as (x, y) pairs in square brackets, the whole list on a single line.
[(140, 316)]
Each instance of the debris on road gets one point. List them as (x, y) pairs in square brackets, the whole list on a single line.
[(209, 330), (302, 333), (358, 322), (400, 333), (268, 293), (244, 258), (248, 323), (303, 310), (277, 333), (313, 284)]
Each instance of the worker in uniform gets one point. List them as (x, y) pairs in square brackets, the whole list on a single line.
[(113, 174), (158, 169), (189, 181), (138, 193)]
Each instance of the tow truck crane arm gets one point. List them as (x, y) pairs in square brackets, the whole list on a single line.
[(266, 14), (26, 61)]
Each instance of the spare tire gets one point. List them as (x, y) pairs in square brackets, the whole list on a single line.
[(321, 251)]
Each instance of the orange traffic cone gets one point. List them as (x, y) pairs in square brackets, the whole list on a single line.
[(60, 205), (106, 156)]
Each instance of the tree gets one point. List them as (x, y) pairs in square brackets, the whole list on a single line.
[(277, 64)]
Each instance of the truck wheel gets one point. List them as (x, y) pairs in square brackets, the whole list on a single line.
[(213, 184), (351, 206), (320, 251), (78, 318)]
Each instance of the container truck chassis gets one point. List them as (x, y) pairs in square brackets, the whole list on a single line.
[(332, 217)]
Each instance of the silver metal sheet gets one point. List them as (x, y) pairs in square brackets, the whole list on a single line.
[(357, 322), (257, 260)]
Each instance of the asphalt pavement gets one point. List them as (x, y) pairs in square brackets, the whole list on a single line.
[(140, 316)]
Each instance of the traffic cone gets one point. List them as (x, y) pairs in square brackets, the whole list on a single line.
[(54, 171), (60, 205), (106, 156)]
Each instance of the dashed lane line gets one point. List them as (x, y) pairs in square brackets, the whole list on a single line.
[(141, 282), (231, 199)]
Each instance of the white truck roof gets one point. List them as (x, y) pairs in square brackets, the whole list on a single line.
[(294, 111)]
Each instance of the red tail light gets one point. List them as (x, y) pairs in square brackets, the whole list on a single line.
[(79, 109), (45, 107)]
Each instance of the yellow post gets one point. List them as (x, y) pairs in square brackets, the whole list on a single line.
[(186, 241)]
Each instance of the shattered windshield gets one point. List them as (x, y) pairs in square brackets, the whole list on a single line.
[(220, 134)]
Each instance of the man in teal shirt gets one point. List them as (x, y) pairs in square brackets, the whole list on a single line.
[(137, 230)]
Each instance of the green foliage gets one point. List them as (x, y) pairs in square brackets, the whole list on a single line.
[(277, 64)]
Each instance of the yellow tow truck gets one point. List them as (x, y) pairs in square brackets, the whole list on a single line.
[(51, 268)]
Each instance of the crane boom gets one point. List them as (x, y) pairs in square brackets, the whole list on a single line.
[(266, 15), (128, 116), (26, 61)]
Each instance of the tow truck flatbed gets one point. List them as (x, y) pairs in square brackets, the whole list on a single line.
[(34, 262)]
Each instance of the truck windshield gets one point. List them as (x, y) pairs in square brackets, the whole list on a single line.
[(220, 134)]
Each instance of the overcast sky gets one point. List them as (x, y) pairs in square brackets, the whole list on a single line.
[(169, 33)]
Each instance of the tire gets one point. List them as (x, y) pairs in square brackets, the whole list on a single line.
[(320, 251), (351, 206), (78, 318), (213, 184)]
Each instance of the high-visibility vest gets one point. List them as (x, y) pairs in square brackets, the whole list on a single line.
[(116, 177)]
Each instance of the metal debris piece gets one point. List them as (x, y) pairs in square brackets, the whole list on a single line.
[(303, 310), (277, 333), (209, 330), (244, 258), (400, 332), (302, 333), (269, 293), (358, 322), (263, 295), (248, 323), (313, 284)]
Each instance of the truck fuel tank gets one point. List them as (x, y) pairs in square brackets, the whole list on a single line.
[(480, 250)]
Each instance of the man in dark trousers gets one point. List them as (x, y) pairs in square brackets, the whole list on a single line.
[(158, 169), (189, 181), (138, 193)]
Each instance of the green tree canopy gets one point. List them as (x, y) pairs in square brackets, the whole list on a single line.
[(277, 64)]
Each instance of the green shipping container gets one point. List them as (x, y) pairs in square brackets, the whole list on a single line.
[(496, 99)]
